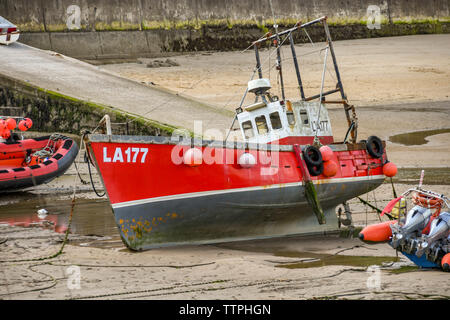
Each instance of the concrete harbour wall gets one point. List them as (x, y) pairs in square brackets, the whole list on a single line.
[(55, 112), (101, 29)]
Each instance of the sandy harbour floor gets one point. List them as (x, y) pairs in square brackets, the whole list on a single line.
[(398, 84)]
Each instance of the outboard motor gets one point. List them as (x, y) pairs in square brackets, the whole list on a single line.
[(416, 220), (440, 229)]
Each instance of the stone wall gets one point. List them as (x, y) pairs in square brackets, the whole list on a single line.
[(54, 112)]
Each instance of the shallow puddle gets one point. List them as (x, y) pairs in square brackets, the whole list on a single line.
[(309, 258), (313, 260), (433, 176), (90, 217), (416, 138)]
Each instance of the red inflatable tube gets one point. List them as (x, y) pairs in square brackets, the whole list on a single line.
[(445, 263), (16, 173)]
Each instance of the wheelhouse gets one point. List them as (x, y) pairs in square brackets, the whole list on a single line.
[(275, 120), (270, 120)]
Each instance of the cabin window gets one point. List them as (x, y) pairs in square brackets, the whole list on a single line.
[(304, 117), (261, 125), (248, 129), (290, 118), (275, 120)]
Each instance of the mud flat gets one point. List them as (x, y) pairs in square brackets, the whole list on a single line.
[(378, 71), (292, 268), (320, 267)]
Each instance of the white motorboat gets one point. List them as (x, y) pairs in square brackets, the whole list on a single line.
[(8, 32)]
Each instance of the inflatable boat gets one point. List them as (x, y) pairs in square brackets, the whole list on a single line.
[(422, 235), (30, 162)]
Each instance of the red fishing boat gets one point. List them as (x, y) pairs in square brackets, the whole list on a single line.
[(30, 162), (285, 177)]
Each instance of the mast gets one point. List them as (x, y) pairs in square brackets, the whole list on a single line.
[(349, 110), (297, 70)]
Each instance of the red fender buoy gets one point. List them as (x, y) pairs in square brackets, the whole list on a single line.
[(11, 124), (28, 122), (25, 124), (375, 233), (389, 169), (330, 168), (6, 133), (445, 263), (2, 123), (3, 126), (327, 153), (22, 125), (193, 157)]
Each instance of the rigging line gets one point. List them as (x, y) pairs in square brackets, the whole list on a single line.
[(192, 86), (312, 43), (253, 43), (321, 92), (310, 52), (271, 54), (195, 84), (161, 104), (263, 63), (307, 34)]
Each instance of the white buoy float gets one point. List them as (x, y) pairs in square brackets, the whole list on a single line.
[(247, 160), (193, 157), (42, 213)]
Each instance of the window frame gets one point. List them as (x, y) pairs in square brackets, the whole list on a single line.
[(245, 130), (265, 122), (279, 120)]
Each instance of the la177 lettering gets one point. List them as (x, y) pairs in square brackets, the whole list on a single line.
[(130, 155)]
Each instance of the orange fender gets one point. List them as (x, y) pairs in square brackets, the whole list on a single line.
[(445, 263), (380, 232)]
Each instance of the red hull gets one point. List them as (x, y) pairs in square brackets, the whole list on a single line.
[(158, 200), (157, 175)]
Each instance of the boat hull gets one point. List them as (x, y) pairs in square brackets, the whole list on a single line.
[(158, 200), (8, 38), (233, 215)]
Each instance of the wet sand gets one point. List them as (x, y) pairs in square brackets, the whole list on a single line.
[(377, 71), (275, 269), (396, 89)]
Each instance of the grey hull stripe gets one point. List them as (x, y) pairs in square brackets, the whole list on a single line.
[(223, 191)]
